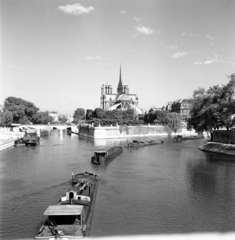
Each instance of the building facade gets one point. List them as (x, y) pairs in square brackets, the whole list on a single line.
[(109, 100), (181, 106)]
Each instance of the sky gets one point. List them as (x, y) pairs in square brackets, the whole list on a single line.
[(58, 53)]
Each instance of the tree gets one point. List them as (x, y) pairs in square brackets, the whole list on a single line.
[(199, 92), (98, 113), (174, 121), (213, 108), (21, 110), (7, 119), (62, 118), (161, 116), (79, 114), (130, 113), (89, 114), (203, 114), (42, 118), (108, 115), (117, 114)]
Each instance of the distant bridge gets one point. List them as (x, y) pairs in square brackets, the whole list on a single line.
[(39, 127)]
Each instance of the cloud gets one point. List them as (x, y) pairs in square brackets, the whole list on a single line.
[(12, 66), (189, 34), (144, 30), (212, 60), (75, 9), (137, 19), (211, 39), (171, 47), (179, 54), (123, 12), (209, 61)]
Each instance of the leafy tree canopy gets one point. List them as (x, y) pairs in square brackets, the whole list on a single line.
[(62, 119), (98, 113), (79, 114), (213, 108), (42, 118), (174, 121), (21, 110), (6, 119)]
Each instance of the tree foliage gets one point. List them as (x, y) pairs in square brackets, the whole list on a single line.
[(79, 114), (213, 108), (174, 121), (159, 117), (62, 119), (98, 113), (89, 114), (42, 118), (6, 119), (22, 110)]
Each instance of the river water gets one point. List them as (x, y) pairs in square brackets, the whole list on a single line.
[(159, 189)]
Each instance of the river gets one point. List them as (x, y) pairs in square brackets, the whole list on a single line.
[(160, 189)]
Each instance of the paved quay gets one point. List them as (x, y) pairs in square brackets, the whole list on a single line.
[(7, 138), (215, 147)]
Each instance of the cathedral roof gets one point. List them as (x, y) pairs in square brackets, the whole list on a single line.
[(123, 97)]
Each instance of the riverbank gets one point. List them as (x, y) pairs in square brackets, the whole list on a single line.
[(222, 148), (109, 132), (7, 138)]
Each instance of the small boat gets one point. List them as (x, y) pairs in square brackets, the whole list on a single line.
[(19, 142), (31, 138), (106, 156), (138, 143), (71, 217), (190, 137), (178, 138)]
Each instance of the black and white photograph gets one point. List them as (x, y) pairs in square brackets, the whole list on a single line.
[(117, 119)]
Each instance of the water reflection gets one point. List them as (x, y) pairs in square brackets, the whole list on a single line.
[(166, 188), (211, 191)]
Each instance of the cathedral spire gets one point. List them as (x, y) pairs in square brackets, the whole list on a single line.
[(120, 88)]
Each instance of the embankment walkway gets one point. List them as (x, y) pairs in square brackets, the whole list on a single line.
[(215, 147), (7, 138)]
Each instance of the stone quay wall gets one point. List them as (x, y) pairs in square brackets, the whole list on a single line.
[(7, 138), (216, 147), (127, 131), (219, 143), (222, 137)]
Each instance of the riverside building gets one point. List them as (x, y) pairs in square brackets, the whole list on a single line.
[(122, 100)]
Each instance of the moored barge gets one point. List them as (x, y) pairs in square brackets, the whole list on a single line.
[(139, 143), (106, 156), (71, 217)]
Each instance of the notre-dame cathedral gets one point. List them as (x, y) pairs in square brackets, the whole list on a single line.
[(122, 100)]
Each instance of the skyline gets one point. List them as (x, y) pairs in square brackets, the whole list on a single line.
[(57, 54)]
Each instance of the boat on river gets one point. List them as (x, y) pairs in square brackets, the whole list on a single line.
[(31, 138), (19, 142), (71, 217), (180, 138), (188, 137), (106, 156), (139, 143)]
